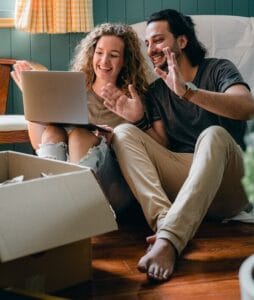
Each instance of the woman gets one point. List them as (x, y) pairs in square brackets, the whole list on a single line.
[(108, 54)]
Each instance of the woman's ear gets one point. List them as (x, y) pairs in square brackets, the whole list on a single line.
[(182, 41)]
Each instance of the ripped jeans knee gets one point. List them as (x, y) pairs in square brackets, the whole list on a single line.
[(56, 151), (95, 157)]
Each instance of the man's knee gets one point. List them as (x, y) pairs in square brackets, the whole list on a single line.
[(217, 136), (216, 131), (126, 131)]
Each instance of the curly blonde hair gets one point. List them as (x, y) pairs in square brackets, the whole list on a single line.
[(134, 70)]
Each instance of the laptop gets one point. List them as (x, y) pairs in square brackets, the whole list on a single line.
[(56, 97)]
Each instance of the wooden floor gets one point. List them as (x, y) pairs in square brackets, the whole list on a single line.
[(208, 268)]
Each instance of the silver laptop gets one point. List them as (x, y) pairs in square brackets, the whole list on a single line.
[(56, 97)]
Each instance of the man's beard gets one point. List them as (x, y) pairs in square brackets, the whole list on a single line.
[(164, 65), (161, 65)]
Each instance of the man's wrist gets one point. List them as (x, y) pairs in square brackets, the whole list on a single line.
[(191, 89), (143, 123)]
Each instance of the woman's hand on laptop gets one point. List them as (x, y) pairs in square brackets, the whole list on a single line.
[(18, 67), (131, 109), (23, 65)]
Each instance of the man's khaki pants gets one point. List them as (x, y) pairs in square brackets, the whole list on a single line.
[(177, 190)]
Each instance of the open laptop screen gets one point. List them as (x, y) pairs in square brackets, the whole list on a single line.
[(55, 97)]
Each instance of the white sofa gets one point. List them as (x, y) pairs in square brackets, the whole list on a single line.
[(230, 37)]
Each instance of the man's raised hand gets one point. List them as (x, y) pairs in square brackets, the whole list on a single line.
[(173, 78)]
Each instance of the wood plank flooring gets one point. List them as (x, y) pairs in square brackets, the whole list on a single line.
[(208, 268)]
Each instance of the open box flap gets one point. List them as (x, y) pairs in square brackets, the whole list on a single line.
[(44, 213)]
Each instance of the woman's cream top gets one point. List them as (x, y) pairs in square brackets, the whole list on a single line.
[(99, 114)]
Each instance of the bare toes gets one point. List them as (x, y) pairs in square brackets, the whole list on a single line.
[(151, 272), (161, 273), (142, 265), (166, 274), (159, 262), (156, 273)]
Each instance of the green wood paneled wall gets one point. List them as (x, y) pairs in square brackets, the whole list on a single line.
[(55, 51), (131, 11)]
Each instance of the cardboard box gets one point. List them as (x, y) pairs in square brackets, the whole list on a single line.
[(46, 222)]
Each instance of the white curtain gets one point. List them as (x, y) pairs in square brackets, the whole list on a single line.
[(54, 16)]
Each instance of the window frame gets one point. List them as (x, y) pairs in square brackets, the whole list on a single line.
[(6, 22), (7, 14)]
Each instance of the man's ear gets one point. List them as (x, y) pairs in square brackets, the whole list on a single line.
[(182, 41)]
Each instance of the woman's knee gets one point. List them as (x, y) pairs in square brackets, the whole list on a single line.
[(81, 135), (54, 134), (79, 132), (56, 151)]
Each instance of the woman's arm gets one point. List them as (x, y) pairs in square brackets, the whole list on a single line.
[(35, 130)]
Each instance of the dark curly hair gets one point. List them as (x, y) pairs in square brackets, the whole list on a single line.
[(180, 24)]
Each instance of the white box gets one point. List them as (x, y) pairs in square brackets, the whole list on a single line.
[(46, 222)]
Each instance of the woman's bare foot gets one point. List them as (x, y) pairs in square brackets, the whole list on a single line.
[(159, 261)]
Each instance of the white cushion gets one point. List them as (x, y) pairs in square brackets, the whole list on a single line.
[(230, 37), (12, 122)]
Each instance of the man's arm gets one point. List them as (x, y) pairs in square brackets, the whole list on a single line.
[(235, 103)]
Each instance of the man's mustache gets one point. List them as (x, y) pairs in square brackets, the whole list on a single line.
[(156, 53)]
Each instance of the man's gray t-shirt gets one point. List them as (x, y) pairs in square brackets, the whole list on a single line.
[(183, 120)]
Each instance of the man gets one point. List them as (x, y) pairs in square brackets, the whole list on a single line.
[(186, 161)]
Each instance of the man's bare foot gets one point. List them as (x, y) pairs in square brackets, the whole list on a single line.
[(150, 240), (159, 261)]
